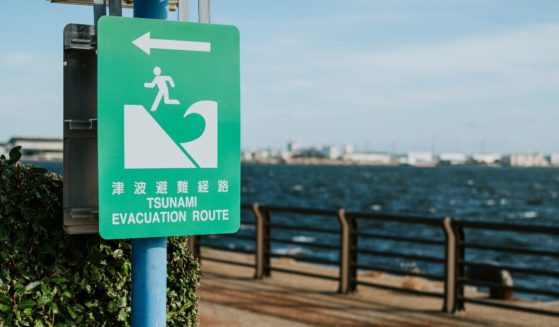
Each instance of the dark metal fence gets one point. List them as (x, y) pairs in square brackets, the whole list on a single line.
[(351, 243), (411, 221), (464, 228)]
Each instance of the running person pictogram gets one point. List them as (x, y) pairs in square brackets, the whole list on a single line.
[(163, 91)]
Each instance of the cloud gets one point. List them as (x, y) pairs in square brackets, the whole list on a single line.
[(30, 94), (437, 83), (518, 62), (16, 58), (520, 52)]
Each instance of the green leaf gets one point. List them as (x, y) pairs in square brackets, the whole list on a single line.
[(31, 286), (59, 280), (72, 313), (122, 315), (54, 308), (4, 307), (91, 304), (123, 301), (26, 304), (4, 299), (15, 155)]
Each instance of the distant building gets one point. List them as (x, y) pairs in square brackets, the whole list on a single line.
[(247, 155), (348, 149), (401, 159), (38, 148), (369, 158), (3, 149), (487, 158), (330, 152), (286, 155), (261, 154), (421, 159), (453, 158), (554, 159), (313, 152), (274, 153), (526, 160), (293, 146)]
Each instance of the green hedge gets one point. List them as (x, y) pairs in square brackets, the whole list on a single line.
[(49, 278)]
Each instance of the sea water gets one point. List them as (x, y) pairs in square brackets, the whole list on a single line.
[(491, 194)]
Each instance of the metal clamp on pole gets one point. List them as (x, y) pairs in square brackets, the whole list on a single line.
[(204, 11), (99, 10), (115, 8), (348, 255), (263, 246), (183, 11)]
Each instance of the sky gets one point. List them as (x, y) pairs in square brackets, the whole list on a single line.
[(384, 75)]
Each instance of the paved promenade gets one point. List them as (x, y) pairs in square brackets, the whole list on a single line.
[(229, 296)]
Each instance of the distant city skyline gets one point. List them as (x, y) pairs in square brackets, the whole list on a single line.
[(364, 148), (299, 154), (51, 149), (454, 76)]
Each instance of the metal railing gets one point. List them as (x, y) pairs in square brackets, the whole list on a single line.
[(195, 242), (407, 220), (354, 240), (462, 245)]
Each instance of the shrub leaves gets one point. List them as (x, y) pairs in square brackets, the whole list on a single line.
[(48, 278)]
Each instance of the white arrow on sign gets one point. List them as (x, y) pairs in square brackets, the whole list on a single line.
[(146, 43)]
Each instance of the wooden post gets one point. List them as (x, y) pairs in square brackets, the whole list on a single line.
[(263, 246), (348, 256)]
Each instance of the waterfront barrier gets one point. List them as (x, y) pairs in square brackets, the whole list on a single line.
[(350, 241)]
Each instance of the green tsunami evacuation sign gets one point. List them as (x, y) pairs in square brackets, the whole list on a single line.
[(168, 128)]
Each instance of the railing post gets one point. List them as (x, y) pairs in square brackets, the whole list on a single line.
[(194, 246), (348, 255), (263, 246), (460, 266), (450, 267), (454, 267), (352, 223)]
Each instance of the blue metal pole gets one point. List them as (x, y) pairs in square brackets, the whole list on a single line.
[(149, 255), (151, 9), (149, 282)]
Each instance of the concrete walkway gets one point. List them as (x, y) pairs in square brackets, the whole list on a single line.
[(229, 296)]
